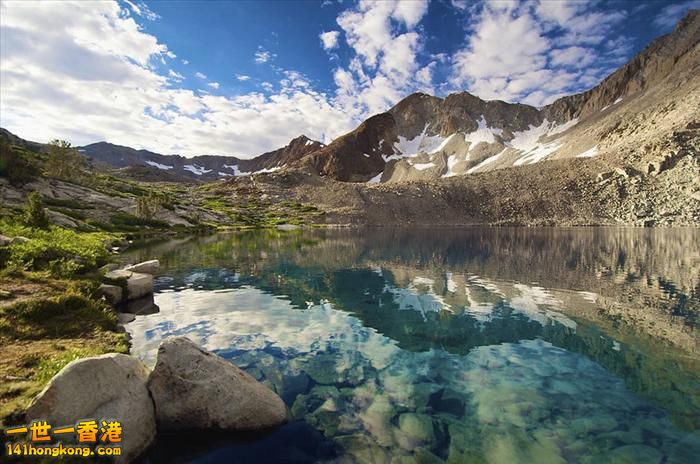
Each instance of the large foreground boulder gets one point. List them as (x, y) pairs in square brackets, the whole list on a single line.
[(111, 386), (195, 389)]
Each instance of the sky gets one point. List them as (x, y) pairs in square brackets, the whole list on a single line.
[(243, 78)]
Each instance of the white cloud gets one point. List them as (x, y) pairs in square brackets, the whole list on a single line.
[(141, 9), (535, 52), (385, 44), (263, 56), (214, 85), (242, 77), (185, 62), (95, 79), (200, 75), (671, 14), (573, 56), (329, 39), (177, 77)]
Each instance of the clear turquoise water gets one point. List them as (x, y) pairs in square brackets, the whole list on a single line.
[(474, 345)]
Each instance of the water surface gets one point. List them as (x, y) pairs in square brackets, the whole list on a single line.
[(497, 345)]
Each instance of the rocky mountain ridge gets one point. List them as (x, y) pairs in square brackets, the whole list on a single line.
[(426, 137), (205, 168)]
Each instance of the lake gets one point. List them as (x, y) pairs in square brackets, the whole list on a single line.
[(483, 345)]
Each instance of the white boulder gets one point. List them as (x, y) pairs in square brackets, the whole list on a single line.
[(111, 386)]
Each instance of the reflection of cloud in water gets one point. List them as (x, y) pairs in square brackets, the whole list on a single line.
[(512, 402), (418, 296), (213, 318), (536, 304)]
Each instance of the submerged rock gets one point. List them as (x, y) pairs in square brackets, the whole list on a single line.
[(418, 427), (195, 389), (111, 386)]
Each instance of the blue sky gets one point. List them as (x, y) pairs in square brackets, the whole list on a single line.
[(241, 78)]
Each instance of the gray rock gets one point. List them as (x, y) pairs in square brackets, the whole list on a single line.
[(195, 389), (146, 267), (5, 240), (137, 285), (19, 239), (109, 267), (111, 386), (113, 293), (125, 318)]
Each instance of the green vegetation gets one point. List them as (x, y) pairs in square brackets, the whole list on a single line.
[(18, 165), (51, 311), (65, 162), (60, 252), (35, 215)]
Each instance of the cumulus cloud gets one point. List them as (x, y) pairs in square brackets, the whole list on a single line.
[(242, 77), (536, 52), (329, 39), (200, 75), (385, 44), (214, 85), (95, 78)]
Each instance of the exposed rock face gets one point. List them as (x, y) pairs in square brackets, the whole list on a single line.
[(195, 389), (146, 267), (358, 155), (111, 386)]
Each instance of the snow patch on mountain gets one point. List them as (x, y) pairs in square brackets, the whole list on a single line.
[(376, 179), (528, 141), (197, 170), (424, 166), (588, 153), (422, 143), (483, 133), (164, 167), (488, 160)]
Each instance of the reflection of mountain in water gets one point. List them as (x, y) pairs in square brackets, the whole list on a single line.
[(587, 290)]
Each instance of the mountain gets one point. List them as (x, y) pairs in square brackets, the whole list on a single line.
[(641, 104), (649, 103), (208, 167)]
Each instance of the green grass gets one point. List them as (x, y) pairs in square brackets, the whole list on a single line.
[(60, 251), (68, 315)]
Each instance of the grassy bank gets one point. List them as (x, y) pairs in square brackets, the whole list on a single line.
[(50, 310)]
